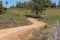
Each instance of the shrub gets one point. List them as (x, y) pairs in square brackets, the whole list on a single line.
[(46, 26), (1, 12), (5, 9)]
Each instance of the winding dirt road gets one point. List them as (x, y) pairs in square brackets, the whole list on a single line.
[(10, 34)]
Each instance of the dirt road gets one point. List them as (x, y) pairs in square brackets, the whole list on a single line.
[(10, 34)]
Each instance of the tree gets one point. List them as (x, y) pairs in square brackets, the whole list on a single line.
[(38, 6), (1, 7), (59, 4), (6, 3), (22, 5), (47, 3), (53, 5), (12, 6), (18, 5), (5, 8)]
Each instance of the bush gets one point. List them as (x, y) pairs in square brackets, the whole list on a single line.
[(46, 26), (1, 12), (5, 9)]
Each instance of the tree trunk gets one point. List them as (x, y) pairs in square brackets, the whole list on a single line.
[(40, 14)]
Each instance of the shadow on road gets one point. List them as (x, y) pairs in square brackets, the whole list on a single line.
[(31, 16)]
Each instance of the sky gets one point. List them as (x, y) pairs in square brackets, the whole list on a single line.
[(55, 1), (13, 2)]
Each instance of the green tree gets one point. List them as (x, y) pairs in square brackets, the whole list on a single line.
[(38, 6), (6, 2), (18, 5), (53, 5), (1, 7), (12, 6), (5, 8), (47, 3), (24, 5), (59, 4)]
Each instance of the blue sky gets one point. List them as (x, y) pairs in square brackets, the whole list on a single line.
[(56, 1), (13, 2)]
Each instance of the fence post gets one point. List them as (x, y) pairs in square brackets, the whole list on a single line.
[(55, 31)]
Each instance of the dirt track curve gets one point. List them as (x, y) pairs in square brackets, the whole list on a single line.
[(8, 34)]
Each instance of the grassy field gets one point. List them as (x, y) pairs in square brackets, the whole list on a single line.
[(11, 19), (52, 11), (21, 12), (53, 14), (15, 17)]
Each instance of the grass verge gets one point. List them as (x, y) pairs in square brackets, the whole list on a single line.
[(9, 20)]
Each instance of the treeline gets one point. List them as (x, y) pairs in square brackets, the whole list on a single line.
[(2, 9), (22, 5), (27, 5), (36, 6)]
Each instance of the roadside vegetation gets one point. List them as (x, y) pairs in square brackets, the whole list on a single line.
[(37, 34), (8, 20)]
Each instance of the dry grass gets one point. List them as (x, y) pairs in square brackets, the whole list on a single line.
[(38, 34), (11, 19)]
